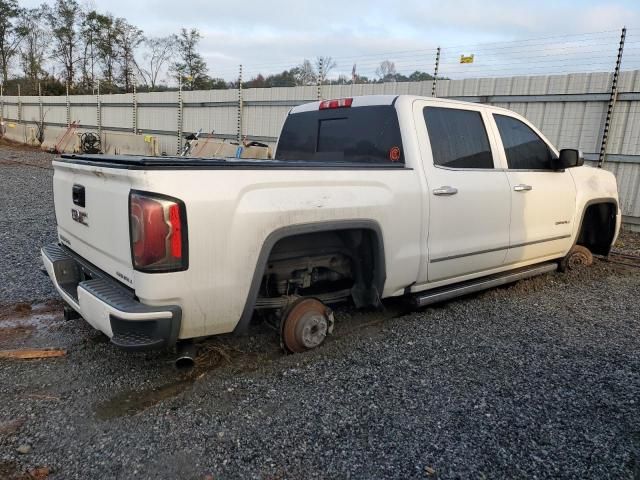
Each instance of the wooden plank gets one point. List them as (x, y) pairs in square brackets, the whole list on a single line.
[(33, 353)]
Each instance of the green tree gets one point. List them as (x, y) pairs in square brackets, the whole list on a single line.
[(63, 18), (128, 39), (91, 27), (107, 49), (33, 51), (10, 35), (418, 76), (190, 67)]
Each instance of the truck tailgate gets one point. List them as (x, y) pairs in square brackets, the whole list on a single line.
[(92, 212)]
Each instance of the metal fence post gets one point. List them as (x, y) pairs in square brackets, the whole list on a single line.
[(435, 73), (1, 105), (180, 107), (19, 105), (240, 106), (135, 109), (40, 106), (68, 102), (613, 97), (99, 113), (319, 78)]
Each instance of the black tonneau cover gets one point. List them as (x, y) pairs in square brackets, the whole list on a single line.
[(131, 162)]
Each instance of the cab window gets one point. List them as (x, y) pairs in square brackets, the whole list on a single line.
[(524, 149), (458, 138)]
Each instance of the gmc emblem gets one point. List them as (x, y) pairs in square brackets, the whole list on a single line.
[(80, 217)]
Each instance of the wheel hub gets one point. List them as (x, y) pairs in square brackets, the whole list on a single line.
[(577, 259), (313, 329), (306, 325)]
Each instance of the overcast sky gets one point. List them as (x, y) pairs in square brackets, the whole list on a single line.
[(270, 36)]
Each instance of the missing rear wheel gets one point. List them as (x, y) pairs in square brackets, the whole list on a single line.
[(306, 325)]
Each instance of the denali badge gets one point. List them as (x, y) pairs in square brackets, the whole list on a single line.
[(80, 217)]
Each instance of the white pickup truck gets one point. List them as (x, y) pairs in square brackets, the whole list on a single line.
[(367, 198)]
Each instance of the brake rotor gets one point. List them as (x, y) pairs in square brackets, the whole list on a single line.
[(578, 257), (306, 325)]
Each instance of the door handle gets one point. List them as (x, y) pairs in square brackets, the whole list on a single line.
[(522, 188), (446, 190)]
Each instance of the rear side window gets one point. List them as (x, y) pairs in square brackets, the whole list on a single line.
[(524, 149), (458, 138), (358, 134)]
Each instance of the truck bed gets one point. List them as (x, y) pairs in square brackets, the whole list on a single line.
[(131, 162)]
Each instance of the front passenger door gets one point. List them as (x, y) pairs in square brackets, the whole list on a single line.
[(542, 200)]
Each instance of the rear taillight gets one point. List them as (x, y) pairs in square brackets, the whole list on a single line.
[(158, 232), (338, 103)]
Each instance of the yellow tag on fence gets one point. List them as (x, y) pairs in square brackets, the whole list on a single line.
[(466, 59), (148, 138)]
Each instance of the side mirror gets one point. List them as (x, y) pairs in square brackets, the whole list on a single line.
[(569, 158)]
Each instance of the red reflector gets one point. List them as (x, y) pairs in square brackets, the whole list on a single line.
[(176, 231), (394, 154), (338, 103)]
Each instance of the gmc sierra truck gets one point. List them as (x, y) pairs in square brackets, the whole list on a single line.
[(366, 198)]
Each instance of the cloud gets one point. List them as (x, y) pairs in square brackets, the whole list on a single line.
[(274, 35)]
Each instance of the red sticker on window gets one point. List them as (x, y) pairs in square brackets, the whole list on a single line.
[(394, 154)]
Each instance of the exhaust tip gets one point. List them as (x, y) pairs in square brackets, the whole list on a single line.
[(186, 358)]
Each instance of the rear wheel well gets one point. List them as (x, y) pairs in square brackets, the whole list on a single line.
[(598, 227), (317, 262)]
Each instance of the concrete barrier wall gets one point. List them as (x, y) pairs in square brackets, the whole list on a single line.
[(20, 133), (209, 148), (114, 143)]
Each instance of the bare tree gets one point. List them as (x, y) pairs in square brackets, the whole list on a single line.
[(328, 64), (10, 34), (305, 74), (160, 51), (386, 71)]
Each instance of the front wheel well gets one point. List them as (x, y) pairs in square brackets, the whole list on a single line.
[(598, 227)]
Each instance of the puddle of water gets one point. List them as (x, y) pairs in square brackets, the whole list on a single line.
[(23, 314), (19, 322)]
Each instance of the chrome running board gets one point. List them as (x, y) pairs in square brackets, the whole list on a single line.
[(422, 299)]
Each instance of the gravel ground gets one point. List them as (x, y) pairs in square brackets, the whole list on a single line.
[(27, 223), (540, 379)]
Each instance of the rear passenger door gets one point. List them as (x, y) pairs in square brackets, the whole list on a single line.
[(469, 198), (542, 200)]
